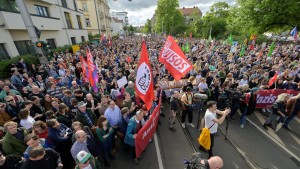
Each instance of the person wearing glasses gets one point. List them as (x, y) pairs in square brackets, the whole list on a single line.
[(86, 160), (84, 142), (13, 108), (11, 161), (12, 142), (4, 115), (43, 158)]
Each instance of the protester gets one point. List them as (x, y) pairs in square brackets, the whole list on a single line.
[(211, 121), (186, 101), (174, 106), (85, 160), (10, 161)]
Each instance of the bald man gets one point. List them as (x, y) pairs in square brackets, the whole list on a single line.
[(214, 162), (174, 105)]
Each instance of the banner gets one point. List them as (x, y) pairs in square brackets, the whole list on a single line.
[(165, 84), (174, 59), (147, 131), (265, 98)]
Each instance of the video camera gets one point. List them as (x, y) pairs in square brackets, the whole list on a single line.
[(195, 162), (198, 100)]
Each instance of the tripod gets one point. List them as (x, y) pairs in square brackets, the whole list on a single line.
[(228, 104), (199, 105)]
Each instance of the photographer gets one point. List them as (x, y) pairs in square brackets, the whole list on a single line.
[(237, 100), (186, 101), (198, 162), (212, 122)]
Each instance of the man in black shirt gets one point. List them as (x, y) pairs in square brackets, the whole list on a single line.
[(174, 103), (10, 161), (42, 158)]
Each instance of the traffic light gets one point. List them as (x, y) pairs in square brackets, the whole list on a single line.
[(40, 44)]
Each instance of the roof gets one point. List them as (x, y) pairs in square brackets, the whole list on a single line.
[(189, 11), (117, 20)]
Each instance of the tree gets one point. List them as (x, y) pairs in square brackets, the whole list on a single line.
[(148, 26), (131, 29), (268, 15), (167, 16), (214, 20)]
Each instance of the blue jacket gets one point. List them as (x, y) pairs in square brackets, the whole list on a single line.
[(57, 135), (122, 125), (131, 130)]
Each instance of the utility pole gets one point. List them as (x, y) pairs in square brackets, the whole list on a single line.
[(31, 31)]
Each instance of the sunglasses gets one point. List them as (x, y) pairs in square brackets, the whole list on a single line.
[(9, 100), (2, 106)]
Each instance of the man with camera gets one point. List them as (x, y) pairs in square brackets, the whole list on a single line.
[(187, 100), (212, 122)]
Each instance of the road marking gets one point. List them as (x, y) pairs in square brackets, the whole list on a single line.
[(295, 138), (271, 132), (160, 164), (274, 140)]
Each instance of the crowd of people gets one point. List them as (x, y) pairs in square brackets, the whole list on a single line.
[(53, 111)]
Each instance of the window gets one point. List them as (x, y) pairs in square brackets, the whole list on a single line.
[(73, 39), (68, 20), (24, 47), (82, 39), (84, 7), (64, 3), (75, 5), (3, 52), (79, 21), (87, 21), (41, 10), (52, 43)]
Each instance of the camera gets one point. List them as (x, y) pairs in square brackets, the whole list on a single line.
[(195, 162)]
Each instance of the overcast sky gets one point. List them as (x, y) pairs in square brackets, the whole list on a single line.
[(141, 10)]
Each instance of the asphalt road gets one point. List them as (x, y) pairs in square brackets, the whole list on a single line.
[(250, 147)]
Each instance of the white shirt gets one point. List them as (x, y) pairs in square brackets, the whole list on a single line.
[(243, 82), (202, 86), (209, 116), (27, 123)]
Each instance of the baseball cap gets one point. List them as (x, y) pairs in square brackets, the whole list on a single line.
[(81, 104), (83, 156)]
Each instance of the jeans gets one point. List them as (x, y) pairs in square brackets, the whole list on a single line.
[(244, 117), (290, 118), (273, 117), (172, 119)]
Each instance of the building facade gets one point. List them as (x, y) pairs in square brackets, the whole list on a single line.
[(188, 13), (96, 13), (121, 16), (59, 21), (117, 26)]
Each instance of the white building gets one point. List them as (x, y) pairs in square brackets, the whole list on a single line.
[(59, 21), (121, 16), (117, 26)]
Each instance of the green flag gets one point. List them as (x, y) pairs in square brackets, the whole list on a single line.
[(271, 49), (209, 38), (183, 48), (230, 40), (242, 52), (187, 47)]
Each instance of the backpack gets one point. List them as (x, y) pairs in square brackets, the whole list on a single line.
[(204, 138)]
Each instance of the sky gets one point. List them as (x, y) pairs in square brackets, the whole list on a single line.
[(141, 10)]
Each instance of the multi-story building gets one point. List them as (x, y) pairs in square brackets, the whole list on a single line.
[(59, 21), (121, 16), (117, 26), (188, 13), (96, 13)]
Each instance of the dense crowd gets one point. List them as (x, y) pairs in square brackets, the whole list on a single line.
[(53, 111)]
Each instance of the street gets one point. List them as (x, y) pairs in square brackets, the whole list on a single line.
[(250, 147)]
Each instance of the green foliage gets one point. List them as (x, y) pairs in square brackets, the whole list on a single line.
[(63, 48), (268, 15), (91, 36), (5, 65), (168, 18), (148, 26), (131, 30)]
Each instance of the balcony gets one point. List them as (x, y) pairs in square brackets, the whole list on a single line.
[(14, 21), (52, 2)]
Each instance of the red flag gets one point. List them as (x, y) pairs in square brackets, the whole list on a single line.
[(91, 66), (84, 66), (273, 79), (128, 59), (174, 59), (191, 35), (144, 79)]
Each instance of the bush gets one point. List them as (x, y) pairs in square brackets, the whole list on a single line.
[(63, 48), (5, 65)]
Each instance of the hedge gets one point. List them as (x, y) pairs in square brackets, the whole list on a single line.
[(5, 65)]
